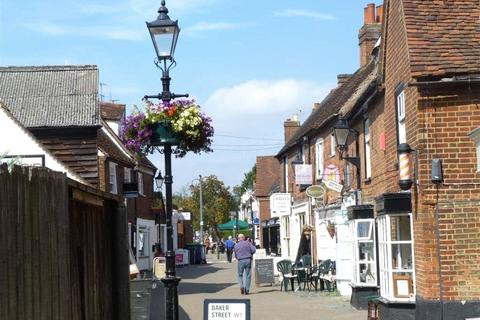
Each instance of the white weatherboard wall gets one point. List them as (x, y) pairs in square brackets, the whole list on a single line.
[(16, 140)]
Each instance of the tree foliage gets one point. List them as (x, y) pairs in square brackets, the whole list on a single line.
[(248, 183), (217, 203)]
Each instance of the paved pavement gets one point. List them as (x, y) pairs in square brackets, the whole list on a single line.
[(217, 280)]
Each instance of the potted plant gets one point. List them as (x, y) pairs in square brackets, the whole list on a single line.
[(178, 122)]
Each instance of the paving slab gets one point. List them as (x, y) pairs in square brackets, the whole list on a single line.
[(217, 280)]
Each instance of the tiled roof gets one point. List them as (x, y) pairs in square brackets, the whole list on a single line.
[(112, 111), (330, 106), (146, 162), (443, 37), (268, 171), (51, 96)]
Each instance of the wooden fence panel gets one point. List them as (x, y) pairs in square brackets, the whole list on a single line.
[(57, 251)]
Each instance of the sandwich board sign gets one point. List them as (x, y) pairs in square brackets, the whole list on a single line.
[(226, 309)]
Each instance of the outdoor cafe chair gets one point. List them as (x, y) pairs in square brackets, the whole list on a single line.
[(285, 268)]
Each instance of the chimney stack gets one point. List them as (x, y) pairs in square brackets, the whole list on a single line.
[(370, 31), (290, 126), (369, 14), (315, 107), (342, 78)]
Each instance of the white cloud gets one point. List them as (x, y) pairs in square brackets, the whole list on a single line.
[(303, 13), (264, 96), (208, 26), (90, 31), (261, 105)]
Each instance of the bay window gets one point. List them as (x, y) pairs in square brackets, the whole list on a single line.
[(397, 276), (365, 267)]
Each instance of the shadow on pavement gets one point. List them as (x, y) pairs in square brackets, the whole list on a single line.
[(157, 304), (196, 271), (193, 288)]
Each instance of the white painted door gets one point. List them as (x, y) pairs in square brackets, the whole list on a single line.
[(146, 238), (345, 258)]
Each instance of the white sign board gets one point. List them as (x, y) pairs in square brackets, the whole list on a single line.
[(333, 185), (186, 215), (260, 254), (226, 309), (179, 216), (280, 203), (303, 174)]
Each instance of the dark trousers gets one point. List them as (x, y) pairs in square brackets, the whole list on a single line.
[(229, 255)]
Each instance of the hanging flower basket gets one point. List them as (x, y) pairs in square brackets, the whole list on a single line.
[(162, 133), (179, 123)]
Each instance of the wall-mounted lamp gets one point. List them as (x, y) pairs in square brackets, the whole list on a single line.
[(404, 164), (342, 133)]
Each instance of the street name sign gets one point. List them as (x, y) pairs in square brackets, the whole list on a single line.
[(226, 309)]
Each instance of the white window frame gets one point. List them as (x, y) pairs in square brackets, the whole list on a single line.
[(475, 136), (286, 222), (370, 238), (127, 175), (401, 115), (368, 155), (112, 177), (387, 271), (141, 189), (348, 179), (333, 145), (319, 161), (285, 172), (301, 221)]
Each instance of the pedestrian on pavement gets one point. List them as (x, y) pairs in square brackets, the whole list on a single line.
[(229, 244), (207, 244), (244, 251)]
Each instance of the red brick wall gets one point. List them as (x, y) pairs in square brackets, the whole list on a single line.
[(447, 116), (143, 204), (378, 181), (264, 214), (437, 127)]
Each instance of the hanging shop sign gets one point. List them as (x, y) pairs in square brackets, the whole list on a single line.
[(280, 203), (303, 174), (331, 173), (332, 185)]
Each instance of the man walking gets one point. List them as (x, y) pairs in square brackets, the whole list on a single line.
[(244, 251), (229, 244)]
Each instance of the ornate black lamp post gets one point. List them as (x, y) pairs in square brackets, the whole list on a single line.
[(164, 33)]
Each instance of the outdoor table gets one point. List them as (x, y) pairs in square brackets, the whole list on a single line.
[(306, 278)]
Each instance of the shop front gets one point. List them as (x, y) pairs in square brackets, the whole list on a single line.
[(271, 236), (365, 276), (396, 256)]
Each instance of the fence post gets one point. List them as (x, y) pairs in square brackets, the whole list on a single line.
[(121, 264)]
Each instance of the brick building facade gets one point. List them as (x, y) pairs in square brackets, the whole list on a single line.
[(422, 89)]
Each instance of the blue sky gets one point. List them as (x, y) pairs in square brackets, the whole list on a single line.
[(249, 64)]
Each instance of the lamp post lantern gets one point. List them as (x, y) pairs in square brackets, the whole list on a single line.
[(342, 132), (164, 33)]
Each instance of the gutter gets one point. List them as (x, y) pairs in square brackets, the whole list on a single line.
[(445, 82)]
